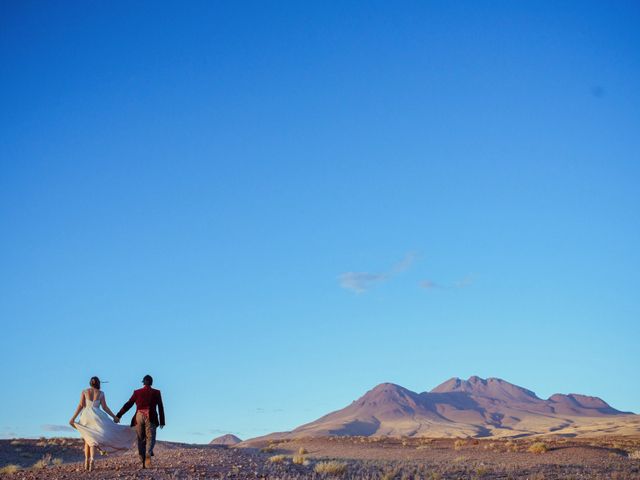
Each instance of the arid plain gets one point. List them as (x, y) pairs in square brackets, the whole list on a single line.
[(462, 429)]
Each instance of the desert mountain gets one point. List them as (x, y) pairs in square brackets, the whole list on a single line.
[(474, 407), (228, 439)]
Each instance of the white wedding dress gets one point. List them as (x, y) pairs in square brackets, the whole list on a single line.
[(98, 430)]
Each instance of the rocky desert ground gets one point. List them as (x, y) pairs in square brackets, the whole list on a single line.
[(340, 457)]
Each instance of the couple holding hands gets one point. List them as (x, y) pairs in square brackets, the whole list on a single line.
[(99, 432)]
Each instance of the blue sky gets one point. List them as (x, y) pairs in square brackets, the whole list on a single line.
[(272, 207)]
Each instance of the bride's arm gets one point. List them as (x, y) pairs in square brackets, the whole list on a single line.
[(103, 402), (75, 414)]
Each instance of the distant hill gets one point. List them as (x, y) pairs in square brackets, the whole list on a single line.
[(475, 407), (227, 439)]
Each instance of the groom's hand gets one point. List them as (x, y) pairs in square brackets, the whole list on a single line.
[(116, 419), (72, 423)]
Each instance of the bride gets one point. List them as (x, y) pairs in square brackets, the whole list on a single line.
[(96, 428)]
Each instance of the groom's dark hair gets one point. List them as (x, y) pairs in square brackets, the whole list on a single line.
[(147, 380)]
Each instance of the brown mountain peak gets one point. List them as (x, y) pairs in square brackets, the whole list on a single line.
[(228, 439)]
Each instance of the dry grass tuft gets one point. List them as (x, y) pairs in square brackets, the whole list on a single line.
[(298, 459), (538, 447), (9, 469), (302, 451), (635, 455), (331, 468), (44, 462), (277, 458), (458, 444)]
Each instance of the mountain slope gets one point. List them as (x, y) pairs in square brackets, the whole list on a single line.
[(228, 440), (460, 408)]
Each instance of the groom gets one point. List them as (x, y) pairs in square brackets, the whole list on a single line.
[(145, 420)]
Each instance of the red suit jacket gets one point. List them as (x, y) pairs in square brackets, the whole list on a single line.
[(145, 398)]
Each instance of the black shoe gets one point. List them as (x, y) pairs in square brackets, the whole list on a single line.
[(142, 460)]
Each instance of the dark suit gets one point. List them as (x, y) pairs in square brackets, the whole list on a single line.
[(145, 421)]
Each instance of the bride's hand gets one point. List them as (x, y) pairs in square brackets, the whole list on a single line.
[(116, 420)]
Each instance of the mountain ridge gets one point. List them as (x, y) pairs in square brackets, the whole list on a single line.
[(475, 407)]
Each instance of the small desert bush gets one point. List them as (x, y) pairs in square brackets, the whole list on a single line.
[(268, 449), (44, 462), (8, 469), (57, 461), (538, 447), (331, 468), (458, 444), (302, 451), (277, 458), (298, 459), (481, 471), (511, 446), (635, 455), (389, 475)]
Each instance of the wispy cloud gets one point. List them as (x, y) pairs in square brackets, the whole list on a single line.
[(222, 431), (8, 432), (406, 263), (462, 283), (360, 282), (430, 285), (56, 428), (465, 282)]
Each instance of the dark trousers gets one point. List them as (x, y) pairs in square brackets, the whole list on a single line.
[(146, 432)]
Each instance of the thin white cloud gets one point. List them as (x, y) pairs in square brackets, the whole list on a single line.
[(217, 432), (406, 263), (430, 284), (360, 282), (465, 282), (462, 283)]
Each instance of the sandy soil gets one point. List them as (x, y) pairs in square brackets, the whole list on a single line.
[(362, 458)]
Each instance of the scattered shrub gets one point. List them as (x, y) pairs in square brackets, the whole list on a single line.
[(331, 468), (298, 459), (635, 455), (277, 458), (9, 469), (44, 462), (390, 475), (538, 447), (458, 444), (302, 451), (481, 471), (57, 461)]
